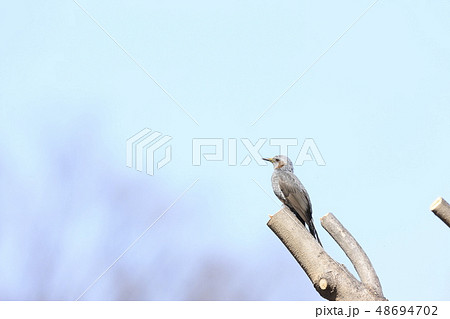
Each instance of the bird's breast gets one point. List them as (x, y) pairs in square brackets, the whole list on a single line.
[(276, 188)]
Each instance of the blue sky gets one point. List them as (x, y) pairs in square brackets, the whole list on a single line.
[(376, 105)]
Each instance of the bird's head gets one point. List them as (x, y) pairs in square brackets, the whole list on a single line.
[(281, 162)]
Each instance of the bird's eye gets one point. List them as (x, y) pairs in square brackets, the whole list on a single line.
[(277, 159)]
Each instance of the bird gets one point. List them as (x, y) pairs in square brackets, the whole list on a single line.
[(291, 192)]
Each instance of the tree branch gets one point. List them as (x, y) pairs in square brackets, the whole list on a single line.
[(442, 210), (331, 280), (353, 251)]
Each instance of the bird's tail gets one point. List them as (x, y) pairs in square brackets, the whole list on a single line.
[(313, 231)]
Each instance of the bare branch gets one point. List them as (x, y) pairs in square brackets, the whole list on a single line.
[(353, 251), (332, 280), (442, 210)]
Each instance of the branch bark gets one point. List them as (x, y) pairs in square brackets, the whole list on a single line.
[(442, 210), (331, 280), (353, 251)]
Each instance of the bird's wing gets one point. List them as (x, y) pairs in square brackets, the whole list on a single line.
[(296, 196)]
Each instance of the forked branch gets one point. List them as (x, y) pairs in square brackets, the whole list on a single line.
[(332, 280)]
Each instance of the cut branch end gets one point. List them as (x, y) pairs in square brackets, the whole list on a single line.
[(442, 210), (436, 203)]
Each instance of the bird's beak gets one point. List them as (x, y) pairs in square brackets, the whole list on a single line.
[(268, 159)]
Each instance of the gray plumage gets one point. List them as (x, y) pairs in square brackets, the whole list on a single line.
[(291, 191)]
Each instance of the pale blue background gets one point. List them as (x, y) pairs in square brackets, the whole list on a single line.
[(377, 106)]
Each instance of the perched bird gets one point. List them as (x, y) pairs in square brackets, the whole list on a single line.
[(291, 192)]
